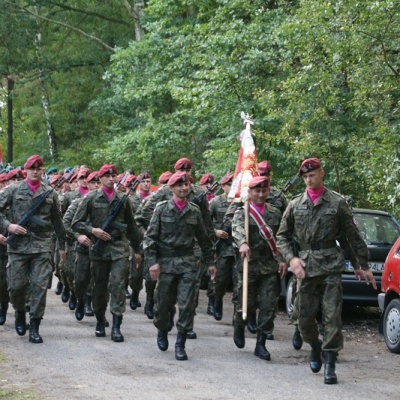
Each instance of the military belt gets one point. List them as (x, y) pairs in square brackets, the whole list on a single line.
[(318, 245), (175, 252)]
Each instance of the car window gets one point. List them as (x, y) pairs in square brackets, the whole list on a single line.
[(377, 229)]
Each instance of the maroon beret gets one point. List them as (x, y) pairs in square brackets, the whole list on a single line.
[(178, 177), (72, 178), (264, 167), (308, 165), (107, 169), (183, 163), (3, 177), (34, 161), (227, 178), (145, 175), (129, 180), (15, 173), (83, 173), (164, 177), (54, 178), (120, 177), (259, 182), (206, 178), (93, 177)]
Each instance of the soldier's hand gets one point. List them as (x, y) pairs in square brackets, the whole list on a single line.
[(3, 240), (298, 265), (282, 269), (244, 251), (62, 257), (367, 275), (16, 229), (138, 258), (220, 234), (154, 271), (84, 240), (212, 272), (100, 234)]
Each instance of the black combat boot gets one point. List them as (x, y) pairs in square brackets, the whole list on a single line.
[(297, 340), (65, 294), (20, 322), (180, 353), (315, 357), (34, 336), (191, 334), (101, 325), (80, 310), (330, 377), (134, 302), (88, 306), (252, 322), (59, 288), (72, 301), (3, 313), (162, 340), (218, 305), (149, 307), (210, 307), (238, 336), (260, 350), (116, 334)]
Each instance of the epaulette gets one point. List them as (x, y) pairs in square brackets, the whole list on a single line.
[(193, 204), (338, 194), (160, 203), (297, 195)]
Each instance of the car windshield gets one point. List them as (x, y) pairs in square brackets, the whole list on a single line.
[(377, 229)]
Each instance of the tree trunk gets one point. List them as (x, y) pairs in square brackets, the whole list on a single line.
[(10, 125)]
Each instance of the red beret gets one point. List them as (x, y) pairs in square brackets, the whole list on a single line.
[(129, 180), (54, 178), (93, 177), (183, 163), (259, 182), (83, 173), (72, 178), (15, 173), (178, 177), (107, 169), (164, 177), (3, 177), (206, 178), (34, 161), (120, 177), (308, 165), (227, 178), (144, 175), (264, 167)]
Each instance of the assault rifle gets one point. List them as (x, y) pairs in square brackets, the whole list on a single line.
[(111, 222), (30, 216), (287, 186), (210, 189)]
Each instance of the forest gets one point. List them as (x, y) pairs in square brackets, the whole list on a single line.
[(143, 83)]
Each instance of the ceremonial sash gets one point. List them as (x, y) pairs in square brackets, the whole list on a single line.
[(265, 231)]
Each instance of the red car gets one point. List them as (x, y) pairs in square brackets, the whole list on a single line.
[(389, 300)]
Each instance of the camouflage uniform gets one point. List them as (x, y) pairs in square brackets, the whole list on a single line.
[(263, 277), (29, 258), (169, 241), (110, 266), (316, 228)]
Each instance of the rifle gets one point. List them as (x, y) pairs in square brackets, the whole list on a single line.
[(111, 222), (29, 217), (287, 186), (210, 189)]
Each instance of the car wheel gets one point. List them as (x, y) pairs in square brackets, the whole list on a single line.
[(391, 326), (289, 295)]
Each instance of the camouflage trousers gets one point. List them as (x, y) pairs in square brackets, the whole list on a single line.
[(4, 294), (225, 276), (109, 277), (262, 292), (176, 288), (83, 275), (135, 276), (69, 267), (323, 292), (29, 272)]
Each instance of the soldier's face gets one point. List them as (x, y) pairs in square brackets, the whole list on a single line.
[(259, 195), (227, 187), (93, 185), (108, 180), (145, 185), (314, 179), (34, 174), (180, 190)]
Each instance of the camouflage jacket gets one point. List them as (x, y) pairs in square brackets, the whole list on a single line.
[(319, 226), (69, 216), (261, 254), (15, 201), (170, 238), (93, 211), (67, 198), (218, 207)]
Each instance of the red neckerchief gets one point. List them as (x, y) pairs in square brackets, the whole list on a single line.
[(34, 186), (83, 190), (108, 192), (315, 194), (180, 204)]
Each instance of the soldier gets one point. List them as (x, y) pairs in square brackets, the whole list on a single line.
[(169, 253), (110, 261), (266, 265), (29, 256), (205, 182), (225, 253), (316, 220)]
